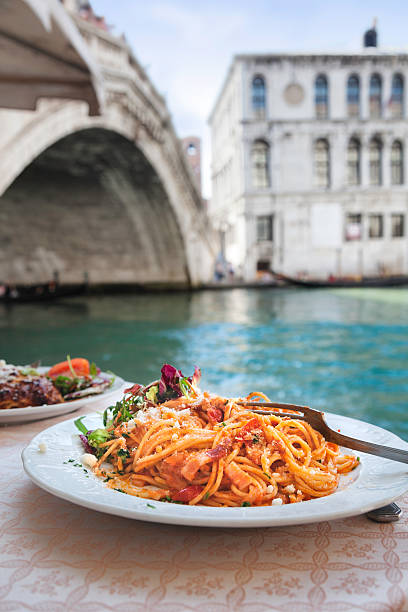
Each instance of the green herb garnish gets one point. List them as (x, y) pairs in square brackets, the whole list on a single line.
[(79, 425), (99, 436), (245, 504)]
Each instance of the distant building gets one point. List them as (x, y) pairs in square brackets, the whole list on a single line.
[(192, 148), (309, 164)]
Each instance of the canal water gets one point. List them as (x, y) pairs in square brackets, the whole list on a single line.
[(343, 351)]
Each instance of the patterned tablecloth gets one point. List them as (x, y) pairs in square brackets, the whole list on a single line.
[(55, 556)]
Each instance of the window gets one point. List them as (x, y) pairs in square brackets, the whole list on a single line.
[(397, 174), (353, 96), (397, 96), (321, 97), (260, 164), (263, 265), (375, 226), (258, 97), (354, 228), (397, 225), (264, 228), (322, 164), (353, 162), (375, 96), (375, 162)]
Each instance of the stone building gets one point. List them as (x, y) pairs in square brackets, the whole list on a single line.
[(309, 170)]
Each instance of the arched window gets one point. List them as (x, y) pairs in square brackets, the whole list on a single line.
[(375, 162), (322, 163), (397, 96), (321, 97), (353, 96), (258, 97), (397, 158), (260, 164), (375, 96), (353, 162)]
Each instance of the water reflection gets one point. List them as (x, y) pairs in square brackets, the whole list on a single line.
[(343, 351)]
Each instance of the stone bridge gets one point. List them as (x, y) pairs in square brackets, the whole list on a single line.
[(109, 196)]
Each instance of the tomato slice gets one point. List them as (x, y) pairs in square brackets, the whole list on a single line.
[(79, 365), (187, 494), (245, 432)]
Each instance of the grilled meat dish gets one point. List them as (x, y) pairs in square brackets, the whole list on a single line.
[(18, 390)]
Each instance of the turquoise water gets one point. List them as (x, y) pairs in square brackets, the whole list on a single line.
[(344, 351)]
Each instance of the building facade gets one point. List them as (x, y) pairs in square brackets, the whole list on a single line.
[(309, 164)]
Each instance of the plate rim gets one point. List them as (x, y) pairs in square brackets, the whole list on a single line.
[(204, 516)]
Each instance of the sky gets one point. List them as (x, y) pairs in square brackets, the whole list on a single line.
[(186, 47)]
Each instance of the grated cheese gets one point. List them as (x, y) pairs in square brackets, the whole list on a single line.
[(42, 447), (143, 416), (289, 489), (277, 501)]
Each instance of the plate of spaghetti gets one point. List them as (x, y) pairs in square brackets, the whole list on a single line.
[(169, 453)]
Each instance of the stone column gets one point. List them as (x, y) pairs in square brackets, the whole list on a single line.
[(365, 160)]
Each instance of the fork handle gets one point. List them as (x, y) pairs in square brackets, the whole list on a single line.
[(395, 454)]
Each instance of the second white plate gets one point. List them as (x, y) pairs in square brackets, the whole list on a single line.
[(35, 413)]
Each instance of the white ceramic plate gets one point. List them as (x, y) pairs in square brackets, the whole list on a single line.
[(35, 413), (375, 483)]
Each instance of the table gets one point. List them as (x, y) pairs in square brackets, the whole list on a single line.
[(58, 557)]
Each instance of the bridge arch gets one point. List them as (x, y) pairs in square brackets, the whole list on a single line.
[(139, 179)]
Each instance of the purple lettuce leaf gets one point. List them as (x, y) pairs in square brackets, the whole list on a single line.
[(170, 379), (86, 444)]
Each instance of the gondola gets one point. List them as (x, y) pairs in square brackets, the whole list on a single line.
[(365, 281), (44, 292)]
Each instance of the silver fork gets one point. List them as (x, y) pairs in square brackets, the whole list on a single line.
[(316, 419)]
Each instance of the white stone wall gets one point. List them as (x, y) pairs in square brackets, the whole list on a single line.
[(291, 130)]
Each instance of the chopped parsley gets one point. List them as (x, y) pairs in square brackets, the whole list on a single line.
[(245, 504), (255, 440), (170, 500), (267, 475), (124, 454), (150, 506), (207, 495), (120, 490)]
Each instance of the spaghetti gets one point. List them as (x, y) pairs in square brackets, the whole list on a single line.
[(199, 448)]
